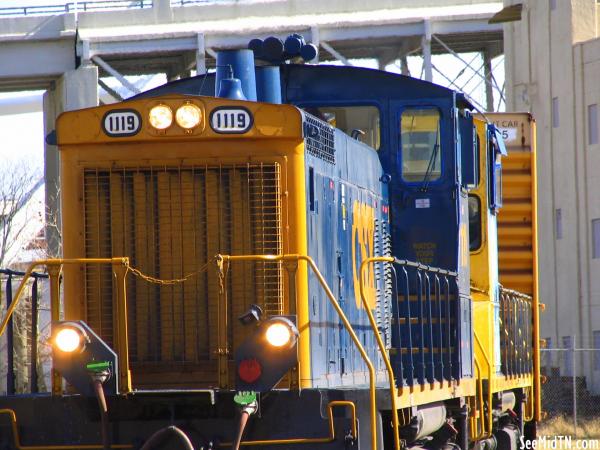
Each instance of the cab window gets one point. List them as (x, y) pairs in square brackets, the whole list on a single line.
[(361, 122), (420, 140), (474, 223)]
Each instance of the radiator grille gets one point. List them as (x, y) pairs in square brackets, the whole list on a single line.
[(170, 221)]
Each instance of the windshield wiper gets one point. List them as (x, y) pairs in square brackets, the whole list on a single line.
[(430, 165)]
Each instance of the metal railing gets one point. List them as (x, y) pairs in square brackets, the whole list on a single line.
[(74, 7), (120, 267), (32, 330), (178, 3), (516, 333)]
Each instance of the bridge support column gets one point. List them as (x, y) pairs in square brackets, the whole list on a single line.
[(426, 49), (75, 89)]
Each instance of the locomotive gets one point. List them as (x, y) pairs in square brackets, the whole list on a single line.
[(285, 256)]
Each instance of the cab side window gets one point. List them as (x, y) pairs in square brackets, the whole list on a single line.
[(474, 223), (362, 122)]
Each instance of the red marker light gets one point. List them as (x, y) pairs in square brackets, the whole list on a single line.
[(249, 370)]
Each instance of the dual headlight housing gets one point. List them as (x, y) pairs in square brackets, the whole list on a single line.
[(188, 116)]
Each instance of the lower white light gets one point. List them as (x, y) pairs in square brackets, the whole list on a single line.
[(68, 340), (278, 334)]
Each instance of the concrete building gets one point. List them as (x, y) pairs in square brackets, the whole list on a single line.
[(552, 70)]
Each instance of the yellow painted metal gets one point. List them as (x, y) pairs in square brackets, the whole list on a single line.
[(120, 270), (488, 411), (380, 344), (85, 126), (54, 274), (101, 175), (518, 224), (480, 258), (431, 393), (222, 332), (17, 440), (347, 325), (326, 440)]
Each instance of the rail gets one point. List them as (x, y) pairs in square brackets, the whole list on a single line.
[(74, 7), (226, 259), (33, 335), (422, 288), (517, 341), (120, 267)]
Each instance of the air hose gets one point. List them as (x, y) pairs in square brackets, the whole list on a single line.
[(248, 405), (158, 437)]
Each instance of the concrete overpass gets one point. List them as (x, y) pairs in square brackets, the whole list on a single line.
[(65, 54)]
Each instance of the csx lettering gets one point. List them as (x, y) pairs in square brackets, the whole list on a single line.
[(363, 235)]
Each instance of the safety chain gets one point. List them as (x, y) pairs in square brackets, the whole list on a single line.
[(169, 282)]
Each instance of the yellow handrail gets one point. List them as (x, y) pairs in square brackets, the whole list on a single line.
[(474, 435), (380, 344), (19, 446), (489, 409), (120, 264), (326, 440), (340, 312)]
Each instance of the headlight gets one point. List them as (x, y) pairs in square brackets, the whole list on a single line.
[(70, 338), (188, 116), (278, 334), (161, 117)]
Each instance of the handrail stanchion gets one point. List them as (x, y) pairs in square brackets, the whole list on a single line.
[(33, 373), (10, 345), (340, 312), (382, 350)]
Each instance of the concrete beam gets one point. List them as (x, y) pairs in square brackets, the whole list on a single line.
[(426, 47), (76, 89)]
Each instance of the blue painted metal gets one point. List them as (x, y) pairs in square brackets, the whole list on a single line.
[(309, 52), (496, 151), (256, 46), (293, 44), (231, 88), (469, 154), (272, 49), (336, 190), (429, 235), (268, 84), (241, 62)]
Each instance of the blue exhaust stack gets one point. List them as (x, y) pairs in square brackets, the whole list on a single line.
[(268, 84)]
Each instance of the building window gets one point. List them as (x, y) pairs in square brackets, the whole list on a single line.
[(597, 352), (558, 222), (596, 238), (567, 344), (555, 117), (548, 353), (592, 124), (552, 5)]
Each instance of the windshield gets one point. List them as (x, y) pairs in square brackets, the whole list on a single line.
[(420, 138)]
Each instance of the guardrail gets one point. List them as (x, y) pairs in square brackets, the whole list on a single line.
[(73, 7), (33, 330)]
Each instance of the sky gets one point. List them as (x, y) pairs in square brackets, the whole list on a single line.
[(23, 134)]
